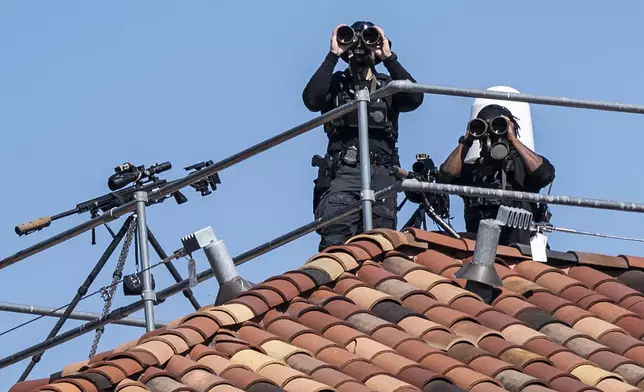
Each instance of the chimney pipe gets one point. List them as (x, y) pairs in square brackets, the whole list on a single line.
[(223, 266), (480, 272)]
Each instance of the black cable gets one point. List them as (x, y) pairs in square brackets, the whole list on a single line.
[(173, 257)]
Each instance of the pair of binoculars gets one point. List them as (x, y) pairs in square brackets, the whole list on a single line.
[(479, 128), (369, 36)]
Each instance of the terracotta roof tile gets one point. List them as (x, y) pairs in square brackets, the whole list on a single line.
[(385, 313), (496, 345), (548, 302), (131, 386), (436, 262), (516, 381), (571, 384), (633, 374), (467, 378), (596, 259), (633, 325), (497, 320), (616, 290), (438, 240), (356, 252), (544, 347), (609, 360), (490, 366)]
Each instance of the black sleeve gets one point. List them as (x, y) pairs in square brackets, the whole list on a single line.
[(317, 89), (402, 102), (447, 178), (541, 177)]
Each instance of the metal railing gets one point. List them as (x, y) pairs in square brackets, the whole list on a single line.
[(367, 196), (46, 311)]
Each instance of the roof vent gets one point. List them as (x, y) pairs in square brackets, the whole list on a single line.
[(480, 273), (223, 266)]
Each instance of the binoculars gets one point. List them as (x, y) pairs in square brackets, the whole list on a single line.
[(479, 128), (492, 135), (369, 36)]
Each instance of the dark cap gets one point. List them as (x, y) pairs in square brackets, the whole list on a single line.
[(361, 25), (491, 111)]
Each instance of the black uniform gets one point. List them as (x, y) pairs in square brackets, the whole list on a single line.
[(489, 175), (339, 182)]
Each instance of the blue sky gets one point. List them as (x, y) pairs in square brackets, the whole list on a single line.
[(85, 86)]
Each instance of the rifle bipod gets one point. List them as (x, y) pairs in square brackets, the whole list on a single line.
[(129, 225)]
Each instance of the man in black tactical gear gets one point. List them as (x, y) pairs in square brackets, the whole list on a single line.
[(504, 163), (338, 184)]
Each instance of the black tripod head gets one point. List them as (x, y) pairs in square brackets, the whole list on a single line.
[(434, 205), (424, 170)]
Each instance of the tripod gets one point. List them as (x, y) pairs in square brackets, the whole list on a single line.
[(419, 218), (127, 231)]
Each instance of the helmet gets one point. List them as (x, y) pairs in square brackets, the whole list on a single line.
[(359, 52)]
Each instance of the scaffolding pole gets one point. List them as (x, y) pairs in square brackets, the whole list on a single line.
[(469, 191), (122, 312), (180, 183), (366, 194), (75, 315), (397, 86)]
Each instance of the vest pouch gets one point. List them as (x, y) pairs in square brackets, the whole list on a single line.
[(377, 114)]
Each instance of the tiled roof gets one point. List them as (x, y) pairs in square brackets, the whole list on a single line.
[(385, 313)]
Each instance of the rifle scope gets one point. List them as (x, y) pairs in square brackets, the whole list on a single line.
[(127, 173)]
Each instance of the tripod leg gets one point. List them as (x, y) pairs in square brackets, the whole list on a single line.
[(444, 225), (82, 290), (173, 271), (109, 229), (413, 221), (422, 213)]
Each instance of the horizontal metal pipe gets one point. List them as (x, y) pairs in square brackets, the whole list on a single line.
[(600, 235), (174, 186), (122, 312), (406, 86), (415, 185), (76, 315), (254, 150), (308, 228)]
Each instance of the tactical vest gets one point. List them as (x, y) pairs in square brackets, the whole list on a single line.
[(379, 112), (499, 176)]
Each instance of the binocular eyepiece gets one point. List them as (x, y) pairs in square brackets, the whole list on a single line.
[(370, 36), (497, 126)]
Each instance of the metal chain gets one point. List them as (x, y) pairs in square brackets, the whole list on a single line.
[(108, 296)]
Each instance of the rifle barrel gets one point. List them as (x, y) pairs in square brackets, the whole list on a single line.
[(65, 214)]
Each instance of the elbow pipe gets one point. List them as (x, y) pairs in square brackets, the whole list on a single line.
[(395, 86)]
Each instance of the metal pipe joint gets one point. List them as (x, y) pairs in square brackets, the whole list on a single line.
[(221, 263)]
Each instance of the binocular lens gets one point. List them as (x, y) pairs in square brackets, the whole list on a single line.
[(499, 125), (371, 36), (345, 35), (477, 127)]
